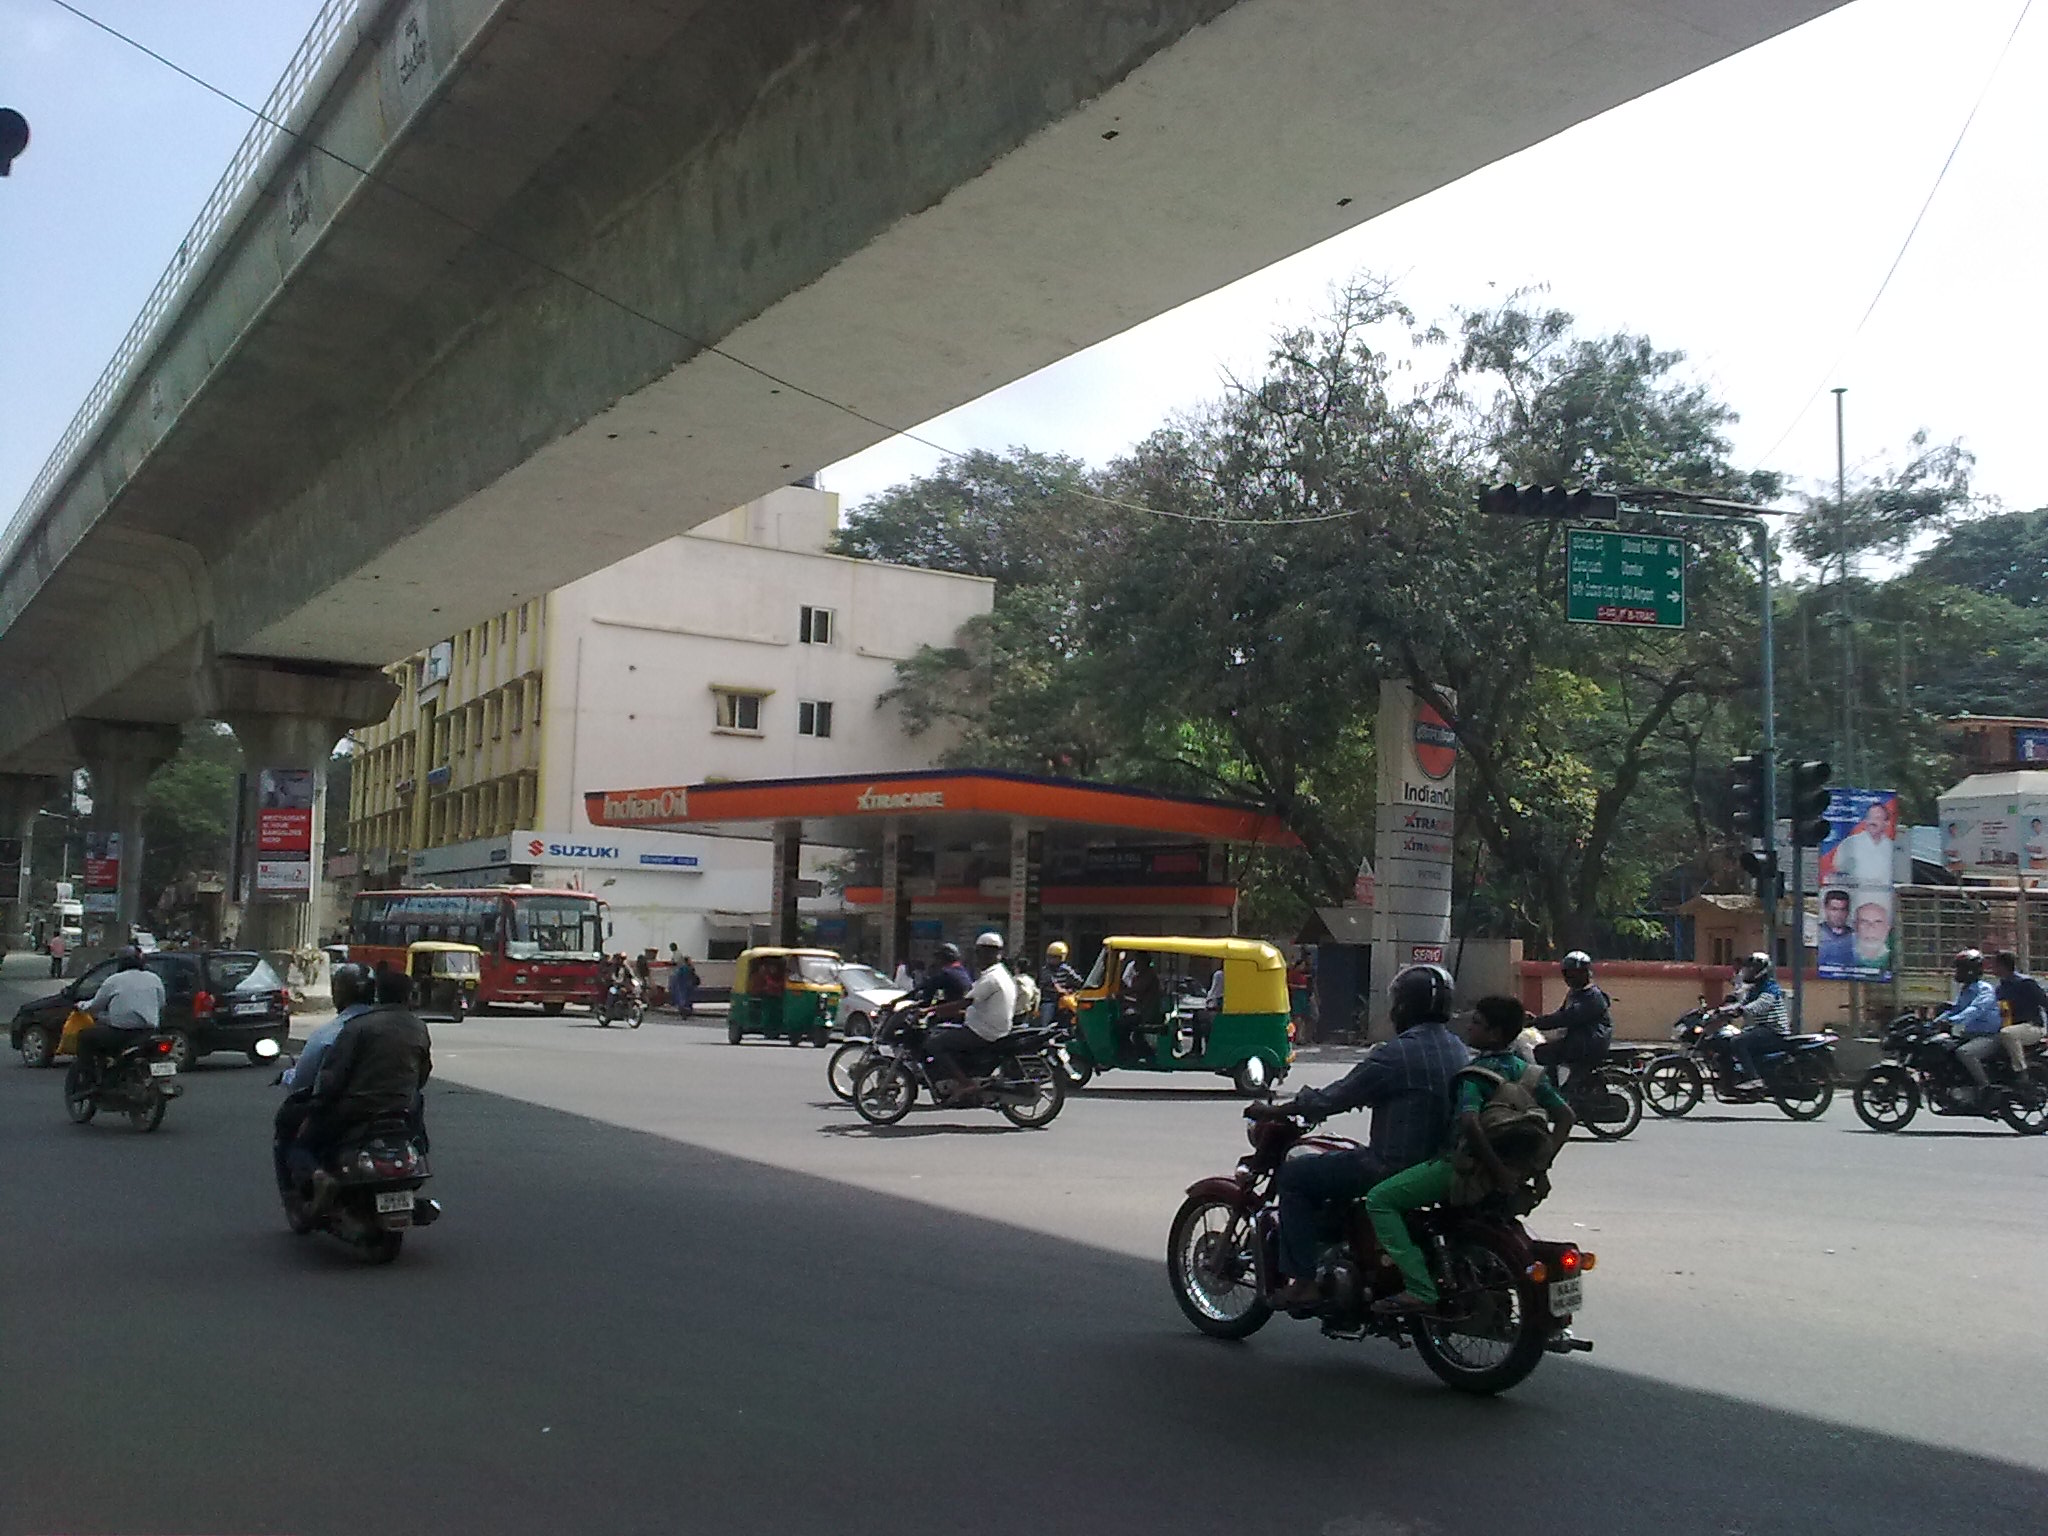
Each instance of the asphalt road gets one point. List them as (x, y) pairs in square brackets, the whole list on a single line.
[(679, 1288)]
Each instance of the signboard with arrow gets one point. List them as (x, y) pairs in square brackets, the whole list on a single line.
[(1633, 579)]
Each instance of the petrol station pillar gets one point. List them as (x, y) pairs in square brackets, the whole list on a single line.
[(120, 755), (288, 718), (896, 852), (787, 853), (1027, 864)]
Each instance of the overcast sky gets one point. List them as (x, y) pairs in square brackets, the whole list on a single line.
[(1745, 215)]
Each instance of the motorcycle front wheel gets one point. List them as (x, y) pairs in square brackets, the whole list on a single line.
[(1212, 1264), (844, 1066), (1803, 1087), (1673, 1086), (1078, 1071), (1499, 1319), (883, 1092), (1886, 1099), (1612, 1104)]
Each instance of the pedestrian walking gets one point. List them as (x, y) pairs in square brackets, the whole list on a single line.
[(682, 987), (57, 953)]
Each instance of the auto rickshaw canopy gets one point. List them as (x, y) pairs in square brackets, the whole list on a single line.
[(1254, 972), (444, 958), (811, 967)]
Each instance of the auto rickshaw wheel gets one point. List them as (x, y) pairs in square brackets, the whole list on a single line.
[(1252, 1076), (733, 1033), (820, 1037)]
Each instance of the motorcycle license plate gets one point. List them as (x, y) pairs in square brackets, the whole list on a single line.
[(1567, 1296), (163, 1069), (395, 1200)]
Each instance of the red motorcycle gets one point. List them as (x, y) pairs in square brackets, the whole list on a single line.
[(1507, 1298)]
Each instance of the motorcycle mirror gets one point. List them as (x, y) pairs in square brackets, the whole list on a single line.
[(267, 1049)]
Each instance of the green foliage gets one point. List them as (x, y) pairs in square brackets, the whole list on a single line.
[(188, 816)]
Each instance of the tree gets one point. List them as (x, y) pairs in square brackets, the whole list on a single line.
[(188, 813), (2004, 555)]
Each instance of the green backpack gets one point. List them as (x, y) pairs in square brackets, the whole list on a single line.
[(1515, 1126)]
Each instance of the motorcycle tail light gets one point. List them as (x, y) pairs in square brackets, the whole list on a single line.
[(1568, 1261)]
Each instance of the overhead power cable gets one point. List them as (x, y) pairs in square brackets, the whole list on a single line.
[(540, 264)]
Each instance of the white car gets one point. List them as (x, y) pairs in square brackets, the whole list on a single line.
[(146, 942), (867, 991)]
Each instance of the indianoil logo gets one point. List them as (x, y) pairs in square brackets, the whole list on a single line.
[(1436, 744)]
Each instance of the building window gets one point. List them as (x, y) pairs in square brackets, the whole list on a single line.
[(522, 617), (815, 626), (813, 717), (504, 622), (460, 721), (536, 703), (515, 706), (497, 716), (483, 638), (739, 711), (476, 737), (465, 647)]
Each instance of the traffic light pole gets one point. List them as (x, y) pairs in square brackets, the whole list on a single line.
[(1770, 817)]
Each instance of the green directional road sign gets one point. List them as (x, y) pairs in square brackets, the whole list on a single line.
[(1625, 578)]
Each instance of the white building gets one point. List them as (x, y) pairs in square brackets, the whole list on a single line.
[(740, 649)]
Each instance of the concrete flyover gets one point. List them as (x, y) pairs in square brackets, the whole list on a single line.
[(365, 411)]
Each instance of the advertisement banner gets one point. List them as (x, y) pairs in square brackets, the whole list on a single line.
[(284, 832), (1858, 908), (102, 861), (1997, 837)]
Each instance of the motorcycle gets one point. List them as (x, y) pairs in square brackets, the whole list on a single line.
[(621, 1005), (1507, 1298), (138, 1082), (1797, 1071), (1605, 1099), (1922, 1069), (379, 1175), (1013, 1075)]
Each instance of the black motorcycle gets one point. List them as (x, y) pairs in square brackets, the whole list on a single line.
[(1921, 1068), (1604, 1098), (378, 1176), (1797, 1072), (1014, 1075), (621, 1004), (138, 1081)]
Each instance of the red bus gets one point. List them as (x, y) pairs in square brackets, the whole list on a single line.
[(540, 946)]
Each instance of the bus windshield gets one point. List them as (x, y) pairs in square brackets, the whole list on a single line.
[(555, 926)]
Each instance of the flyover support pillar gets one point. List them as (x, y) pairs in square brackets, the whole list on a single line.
[(788, 855), (288, 718), (22, 796), (120, 755)]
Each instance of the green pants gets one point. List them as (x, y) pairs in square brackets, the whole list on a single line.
[(1388, 1204)]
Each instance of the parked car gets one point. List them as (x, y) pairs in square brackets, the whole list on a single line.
[(867, 990), (144, 941), (215, 1000)]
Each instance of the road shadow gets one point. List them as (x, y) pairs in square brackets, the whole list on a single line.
[(860, 1130), (613, 1332), (1222, 1092)]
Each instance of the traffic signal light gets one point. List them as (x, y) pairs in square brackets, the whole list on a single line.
[(13, 137), (1552, 501), (1770, 880), (1749, 786), (1810, 804)]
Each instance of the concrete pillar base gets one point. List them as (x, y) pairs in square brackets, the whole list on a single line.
[(22, 795), (120, 756)]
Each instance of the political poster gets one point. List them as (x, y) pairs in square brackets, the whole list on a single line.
[(284, 832), (1858, 906)]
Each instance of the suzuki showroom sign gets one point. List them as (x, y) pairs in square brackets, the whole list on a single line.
[(284, 832)]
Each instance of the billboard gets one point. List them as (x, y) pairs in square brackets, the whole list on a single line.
[(1998, 837), (1858, 908), (284, 832)]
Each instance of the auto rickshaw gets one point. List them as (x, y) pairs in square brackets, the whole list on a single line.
[(787, 994), (1243, 1036), (444, 977)]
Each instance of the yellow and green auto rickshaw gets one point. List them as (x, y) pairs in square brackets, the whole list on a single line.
[(444, 977), (1156, 1004), (786, 994)]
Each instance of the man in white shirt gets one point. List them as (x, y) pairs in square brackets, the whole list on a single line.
[(989, 1009)]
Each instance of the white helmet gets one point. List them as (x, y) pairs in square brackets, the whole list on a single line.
[(990, 940)]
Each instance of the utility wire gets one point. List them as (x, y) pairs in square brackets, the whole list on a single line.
[(1906, 244), (540, 264)]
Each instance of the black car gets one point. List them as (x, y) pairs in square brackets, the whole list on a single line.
[(214, 1000)]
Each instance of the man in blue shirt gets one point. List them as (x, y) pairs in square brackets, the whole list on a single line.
[(1407, 1084), (1974, 1017), (351, 986)]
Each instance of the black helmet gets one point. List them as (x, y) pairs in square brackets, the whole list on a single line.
[(947, 953), (351, 984), (1419, 994), (1756, 966), (1969, 965), (1578, 960), (131, 959)]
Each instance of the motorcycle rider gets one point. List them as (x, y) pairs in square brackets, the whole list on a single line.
[(1974, 1017), (947, 981), (374, 1070), (1582, 1028), (986, 1014), (1762, 1007), (128, 1004), (1407, 1084), (1056, 979), (353, 995)]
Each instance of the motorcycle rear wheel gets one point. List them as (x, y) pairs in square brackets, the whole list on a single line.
[(1803, 1087), (883, 1092), (1051, 1084), (1673, 1086), (1505, 1323), (2029, 1118), (1612, 1103), (382, 1247), (1886, 1098), (844, 1066), (1211, 1235), (149, 1117)]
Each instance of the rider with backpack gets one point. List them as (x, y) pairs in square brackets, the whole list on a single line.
[(1511, 1121)]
